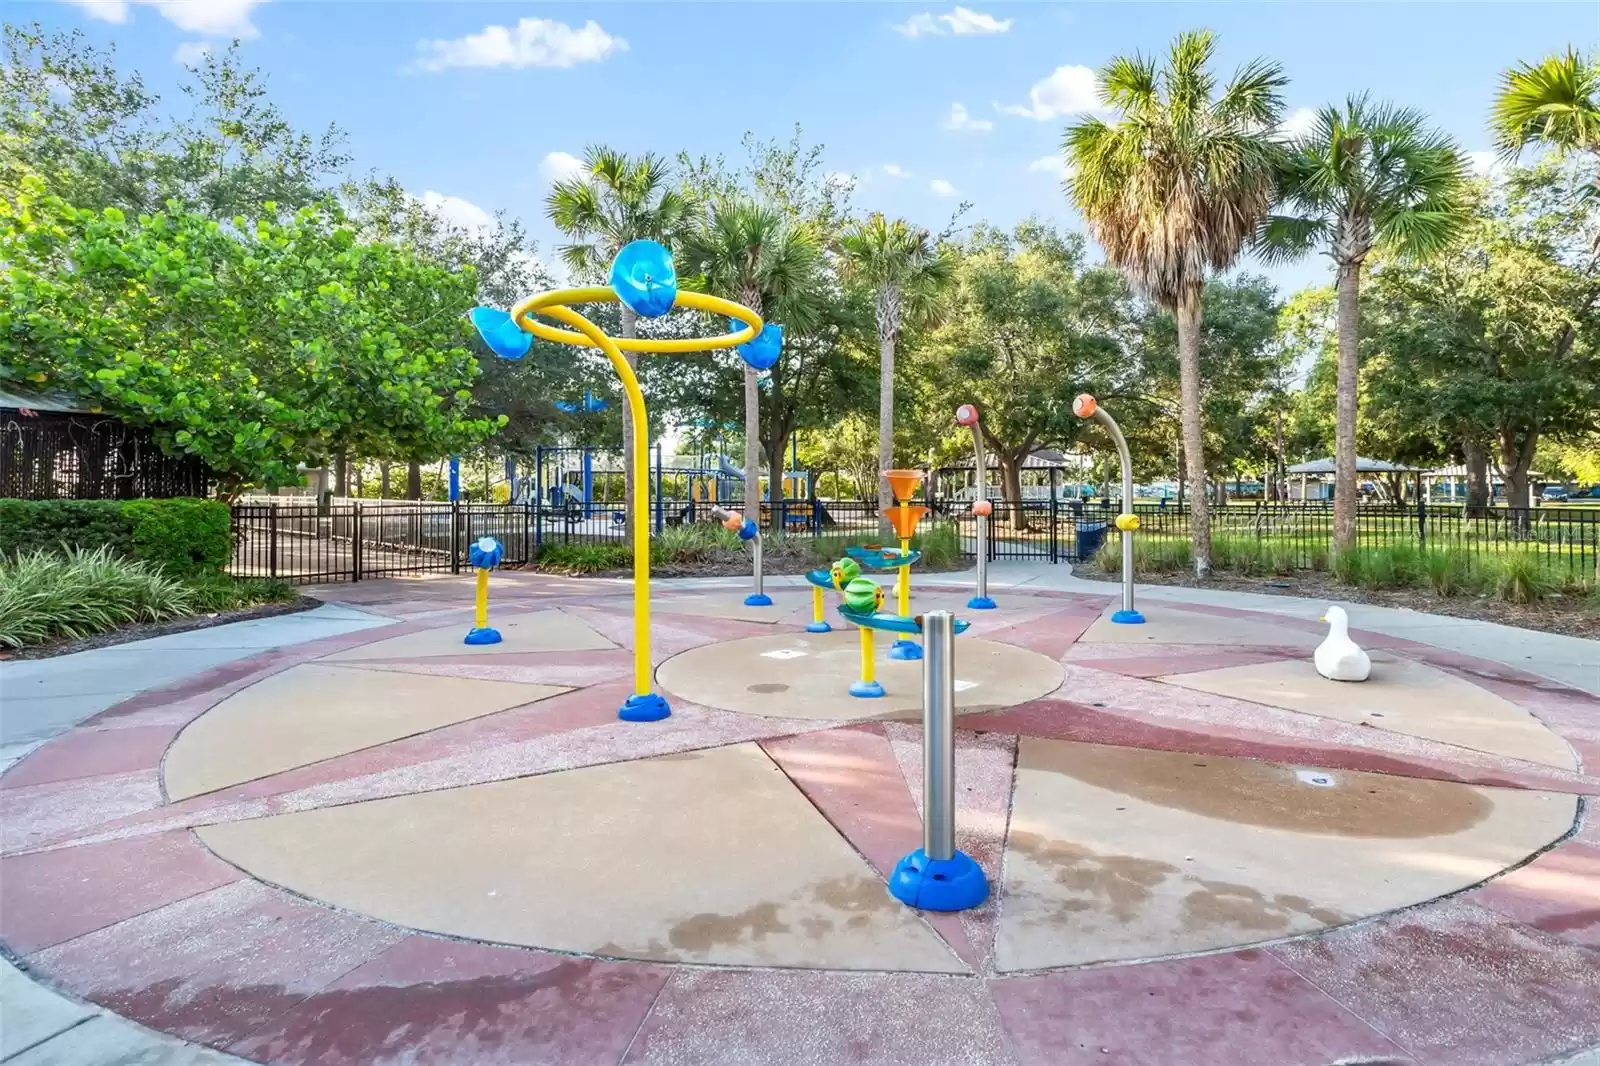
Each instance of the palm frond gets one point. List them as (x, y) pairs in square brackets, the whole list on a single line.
[(1555, 102)]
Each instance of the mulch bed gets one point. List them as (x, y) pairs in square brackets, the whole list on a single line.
[(1555, 615), (142, 630)]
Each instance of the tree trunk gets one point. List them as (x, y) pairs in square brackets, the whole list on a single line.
[(414, 481), (1177, 458), (885, 424), (383, 481), (630, 476), (752, 445), (341, 471), (1188, 315), (1477, 463), (1011, 489), (355, 479), (1280, 489), (1345, 484), (1517, 457)]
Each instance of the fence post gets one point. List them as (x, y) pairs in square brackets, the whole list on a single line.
[(1422, 521), (1055, 546), (659, 514), (272, 551), (355, 542), (455, 536)]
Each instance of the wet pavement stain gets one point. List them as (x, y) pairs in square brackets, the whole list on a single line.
[(1125, 882), (702, 932), (1242, 907), (767, 687), (1247, 792)]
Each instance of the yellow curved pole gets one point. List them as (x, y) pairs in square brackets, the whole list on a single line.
[(545, 302)]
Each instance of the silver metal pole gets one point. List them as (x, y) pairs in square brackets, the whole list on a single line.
[(983, 520), (938, 735), (755, 547), (1110, 424)]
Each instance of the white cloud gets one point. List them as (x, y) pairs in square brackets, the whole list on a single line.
[(1485, 165), (940, 187), (962, 121), (190, 53), (559, 166), (895, 170), (1301, 121), (1054, 164), (530, 43), (1067, 91), (459, 212), (963, 22), (217, 18)]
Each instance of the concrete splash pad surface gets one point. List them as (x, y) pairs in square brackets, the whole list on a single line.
[(737, 851)]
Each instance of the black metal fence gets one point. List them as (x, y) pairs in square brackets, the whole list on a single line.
[(353, 540), (48, 455)]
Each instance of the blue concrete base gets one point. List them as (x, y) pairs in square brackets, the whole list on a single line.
[(953, 884), (758, 599), (980, 603), (651, 707), (905, 650), (1128, 618), (486, 635), (819, 627), (867, 690)]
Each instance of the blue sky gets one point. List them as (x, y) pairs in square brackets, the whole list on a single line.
[(481, 102)]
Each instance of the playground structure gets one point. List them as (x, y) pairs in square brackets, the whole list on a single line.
[(967, 415), (1127, 523), (484, 555), (903, 518), (642, 277), (750, 533)]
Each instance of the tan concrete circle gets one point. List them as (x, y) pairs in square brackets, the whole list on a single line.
[(805, 675)]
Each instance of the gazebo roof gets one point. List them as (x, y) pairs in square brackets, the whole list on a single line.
[(1363, 466)]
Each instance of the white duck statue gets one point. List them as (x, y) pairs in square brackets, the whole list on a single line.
[(1337, 657)]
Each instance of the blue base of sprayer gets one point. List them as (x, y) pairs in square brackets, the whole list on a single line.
[(819, 627), (650, 707), (905, 650), (866, 690), (980, 603), (1128, 618), (758, 599), (486, 635), (953, 884)]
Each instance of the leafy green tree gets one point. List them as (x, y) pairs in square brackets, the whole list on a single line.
[(1173, 189), (1028, 326), (907, 273), (1366, 176), (613, 200), (254, 346)]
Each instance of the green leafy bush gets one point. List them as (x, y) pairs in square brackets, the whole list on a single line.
[(584, 558), (182, 536), (45, 595), (939, 543), (1446, 572), (1521, 577), (219, 592)]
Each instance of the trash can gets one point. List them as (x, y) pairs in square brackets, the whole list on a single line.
[(1090, 536)]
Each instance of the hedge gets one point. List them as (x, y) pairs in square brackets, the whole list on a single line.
[(181, 536)]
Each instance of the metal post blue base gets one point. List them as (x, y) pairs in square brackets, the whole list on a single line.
[(905, 650), (819, 627), (651, 707), (867, 690), (953, 884), (486, 635), (981, 603), (1128, 618), (758, 599)]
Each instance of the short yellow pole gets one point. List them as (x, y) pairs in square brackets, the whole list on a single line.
[(903, 585), (483, 598), (816, 604), (867, 677)]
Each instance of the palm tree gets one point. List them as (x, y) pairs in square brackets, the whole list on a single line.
[(1365, 176), (748, 251), (1172, 190), (615, 199), (1555, 102), (907, 271)]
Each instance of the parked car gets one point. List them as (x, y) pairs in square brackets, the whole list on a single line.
[(1554, 494)]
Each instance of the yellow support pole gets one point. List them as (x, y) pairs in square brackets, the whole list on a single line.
[(903, 583), (816, 604), (483, 598), (867, 676)]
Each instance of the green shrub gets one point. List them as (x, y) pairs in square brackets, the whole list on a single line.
[(45, 595), (694, 542), (1445, 571), (584, 558), (183, 536), (1346, 567), (939, 543), (218, 592), (1522, 577)]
